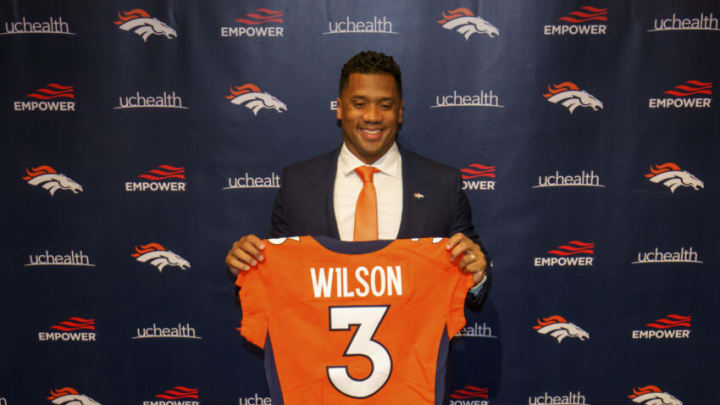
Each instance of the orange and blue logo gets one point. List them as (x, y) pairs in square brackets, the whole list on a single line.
[(465, 23), (70, 396), (569, 95), (672, 176), (49, 179), (140, 22), (250, 96), (652, 395), (559, 328), (159, 257)]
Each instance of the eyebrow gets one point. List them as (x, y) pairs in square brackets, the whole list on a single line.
[(360, 97)]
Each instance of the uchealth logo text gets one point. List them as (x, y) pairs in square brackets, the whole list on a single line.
[(571, 398), (671, 326), (177, 395), (74, 329), (262, 22), (672, 176), (166, 100), (652, 395), (255, 400), (580, 22), (48, 178), (559, 328), (179, 331), (251, 97), (572, 254), (482, 99), (248, 181), (51, 26), (141, 23), (163, 178), (70, 396), (159, 257), (703, 22), (69, 259), (685, 96), (684, 255), (465, 23), (476, 177), (48, 98), (376, 25), (583, 179), (469, 395), (477, 330), (569, 95)]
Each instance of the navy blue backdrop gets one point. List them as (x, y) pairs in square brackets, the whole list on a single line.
[(141, 138)]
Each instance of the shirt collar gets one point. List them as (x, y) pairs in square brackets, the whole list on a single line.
[(388, 164)]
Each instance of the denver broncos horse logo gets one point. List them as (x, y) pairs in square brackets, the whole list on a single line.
[(466, 23), (69, 396), (47, 178), (569, 95), (159, 257), (253, 98), (652, 395), (672, 176), (140, 22), (559, 328)]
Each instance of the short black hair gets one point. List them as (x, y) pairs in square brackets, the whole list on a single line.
[(371, 62)]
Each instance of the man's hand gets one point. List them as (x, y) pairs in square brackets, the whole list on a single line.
[(245, 253), (472, 257)]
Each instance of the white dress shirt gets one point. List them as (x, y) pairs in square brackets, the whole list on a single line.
[(388, 186), (389, 190)]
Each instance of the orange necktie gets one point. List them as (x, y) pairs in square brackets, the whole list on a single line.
[(366, 221)]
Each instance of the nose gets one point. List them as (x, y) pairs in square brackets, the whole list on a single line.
[(372, 113)]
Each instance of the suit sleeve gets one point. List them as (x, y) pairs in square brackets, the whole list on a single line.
[(279, 226), (462, 222), (462, 218)]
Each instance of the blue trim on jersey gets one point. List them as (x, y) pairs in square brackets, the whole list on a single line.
[(271, 374), (353, 248), (441, 368)]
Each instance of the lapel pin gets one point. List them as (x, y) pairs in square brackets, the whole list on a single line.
[(418, 196)]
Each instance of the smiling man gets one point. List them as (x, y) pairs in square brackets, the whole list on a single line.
[(414, 196)]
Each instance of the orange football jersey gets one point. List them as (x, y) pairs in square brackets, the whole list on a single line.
[(366, 326)]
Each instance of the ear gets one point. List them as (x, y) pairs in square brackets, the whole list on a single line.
[(338, 113), (400, 113)]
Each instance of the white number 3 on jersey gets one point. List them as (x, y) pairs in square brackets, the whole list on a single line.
[(367, 319)]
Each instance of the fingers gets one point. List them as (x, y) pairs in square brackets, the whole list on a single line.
[(245, 253), (459, 244), (472, 258)]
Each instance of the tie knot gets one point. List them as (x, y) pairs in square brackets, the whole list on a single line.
[(366, 173)]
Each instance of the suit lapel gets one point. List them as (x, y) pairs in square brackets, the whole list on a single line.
[(323, 183), (415, 189)]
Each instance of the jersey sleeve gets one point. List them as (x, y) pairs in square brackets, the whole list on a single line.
[(456, 316), (252, 293)]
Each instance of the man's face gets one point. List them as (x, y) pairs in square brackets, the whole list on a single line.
[(370, 109)]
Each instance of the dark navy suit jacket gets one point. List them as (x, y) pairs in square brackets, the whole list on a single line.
[(434, 203)]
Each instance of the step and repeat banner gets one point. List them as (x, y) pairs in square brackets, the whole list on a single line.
[(141, 138)]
